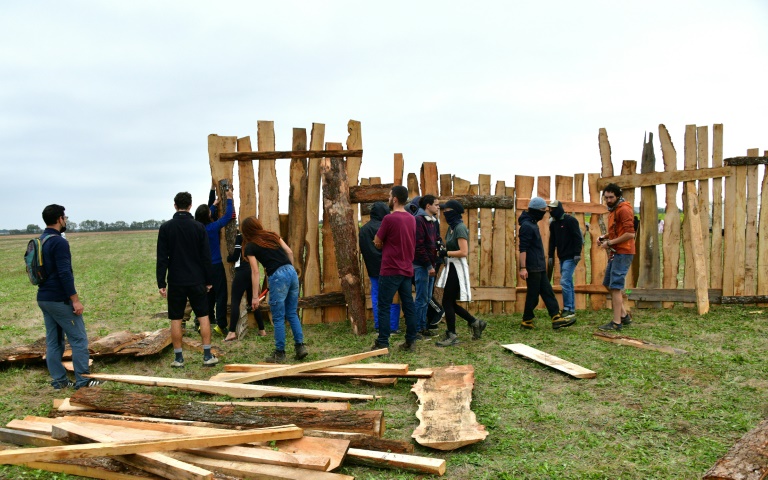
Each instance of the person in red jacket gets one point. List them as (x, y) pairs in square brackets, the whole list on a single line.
[(620, 245)]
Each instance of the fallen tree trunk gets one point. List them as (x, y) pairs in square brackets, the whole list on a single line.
[(315, 301), (746, 460), (362, 421)]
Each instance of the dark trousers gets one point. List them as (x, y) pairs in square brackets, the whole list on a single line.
[(217, 297), (538, 285), (388, 285), (451, 293), (242, 284)]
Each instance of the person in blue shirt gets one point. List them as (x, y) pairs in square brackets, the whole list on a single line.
[(217, 296)]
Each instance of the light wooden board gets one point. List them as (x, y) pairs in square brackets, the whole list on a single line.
[(597, 257), (263, 456), (563, 192), (699, 271), (702, 159), (312, 284), (415, 373), (647, 245), (689, 163), (354, 142), (85, 471), (670, 238), (606, 170), (523, 188), (22, 437), (398, 168), (446, 190), (485, 253), (471, 218), (550, 360), (413, 185), (428, 179), (254, 470), (762, 253), (412, 463), (750, 249), (580, 274), (729, 235), (629, 167), (268, 187), (543, 188), (316, 405), (446, 421), (220, 171), (716, 256), (331, 281), (510, 264), (297, 202), (740, 238), (661, 178), (247, 181)]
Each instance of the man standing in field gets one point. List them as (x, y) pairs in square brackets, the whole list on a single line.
[(61, 306), (565, 236), (620, 245), (396, 239), (425, 261), (183, 253)]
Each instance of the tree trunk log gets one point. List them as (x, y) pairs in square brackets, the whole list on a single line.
[(745, 161), (361, 421), (298, 153), (746, 460), (316, 301), (336, 202), (367, 442), (152, 344)]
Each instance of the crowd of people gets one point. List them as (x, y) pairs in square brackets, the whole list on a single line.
[(401, 248)]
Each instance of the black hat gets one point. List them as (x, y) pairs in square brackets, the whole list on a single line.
[(454, 205)]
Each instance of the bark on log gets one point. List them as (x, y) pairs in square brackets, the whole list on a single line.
[(24, 353), (745, 161), (114, 342), (316, 301), (367, 442), (228, 157), (336, 203), (380, 193), (152, 344), (297, 201), (746, 460), (361, 421)]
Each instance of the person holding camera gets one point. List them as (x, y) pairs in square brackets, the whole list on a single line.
[(426, 260), (619, 242)]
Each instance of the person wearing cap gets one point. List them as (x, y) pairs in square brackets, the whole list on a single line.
[(533, 269), (564, 236), (454, 279)]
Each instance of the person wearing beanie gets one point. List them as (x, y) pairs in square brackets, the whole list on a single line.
[(533, 269), (564, 236), (454, 279)]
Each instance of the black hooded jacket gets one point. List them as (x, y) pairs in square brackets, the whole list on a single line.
[(371, 254), (530, 243)]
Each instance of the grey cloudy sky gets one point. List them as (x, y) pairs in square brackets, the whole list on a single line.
[(105, 107)]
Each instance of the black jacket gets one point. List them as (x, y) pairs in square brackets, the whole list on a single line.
[(371, 254), (530, 243), (566, 235), (183, 253)]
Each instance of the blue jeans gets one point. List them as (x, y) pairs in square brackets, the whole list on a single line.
[(424, 285), (388, 285), (284, 303), (394, 310), (60, 320), (566, 281)]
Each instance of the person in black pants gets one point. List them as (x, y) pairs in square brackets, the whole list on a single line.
[(533, 268), (241, 283)]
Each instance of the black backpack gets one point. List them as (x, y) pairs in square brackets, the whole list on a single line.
[(33, 257)]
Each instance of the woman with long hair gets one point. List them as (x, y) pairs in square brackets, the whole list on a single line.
[(266, 247), (241, 284)]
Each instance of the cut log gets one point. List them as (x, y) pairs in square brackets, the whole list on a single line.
[(35, 351), (446, 421), (412, 463), (15, 457), (359, 440), (746, 460), (114, 342), (280, 371), (233, 390), (331, 276), (254, 470), (635, 342), (315, 301), (363, 421), (153, 343), (550, 360), (296, 153)]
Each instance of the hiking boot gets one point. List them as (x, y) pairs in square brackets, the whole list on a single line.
[(626, 320), (301, 351), (62, 386), (427, 333), (567, 313), (450, 340), (178, 363), (527, 324), (610, 327), (218, 330), (477, 329), (408, 347), (211, 361), (277, 356), (560, 322)]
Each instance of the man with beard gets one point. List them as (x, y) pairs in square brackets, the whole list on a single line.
[(565, 236), (533, 268), (620, 245)]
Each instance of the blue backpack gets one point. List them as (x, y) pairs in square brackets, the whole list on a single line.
[(34, 260)]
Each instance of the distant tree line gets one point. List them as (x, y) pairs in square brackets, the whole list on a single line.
[(92, 226)]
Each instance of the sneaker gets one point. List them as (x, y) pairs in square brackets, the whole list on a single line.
[(301, 351), (218, 330), (177, 364), (477, 329), (277, 356), (450, 340), (211, 361), (427, 333), (61, 386), (527, 324), (567, 313), (419, 336), (610, 326), (626, 320), (558, 321), (92, 383), (408, 347), (396, 332)]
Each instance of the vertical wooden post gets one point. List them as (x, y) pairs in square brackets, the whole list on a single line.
[(331, 280), (399, 168), (689, 163), (462, 187), (485, 251), (702, 155), (498, 252), (339, 219), (750, 251), (247, 181), (670, 238), (510, 264), (354, 142), (729, 229), (629, 167), (762, 246), (312, 284), (740, 224), (363, 272), (543, 188), (606, 171), (716, 257), (647, 244), (429, 178), (563, 192), (446, 190), (597, 256), (268, 188), (473, 257), (223, 171), (523, 189), (297, 202), (693, 222), (413, 186), (580, 275)]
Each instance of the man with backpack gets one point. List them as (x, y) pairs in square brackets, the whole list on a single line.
[(60, 304)]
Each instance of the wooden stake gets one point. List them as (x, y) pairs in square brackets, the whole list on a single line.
[(297, 202), (670, 238), (716, 256), (750, 251), (312, 281)]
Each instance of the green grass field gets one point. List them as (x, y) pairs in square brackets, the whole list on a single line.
[(646, 415)]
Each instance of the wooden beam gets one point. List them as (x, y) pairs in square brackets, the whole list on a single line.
[(412, 463), (745, 161), (21, 437), (293, 154), (672, 295), (550, 360), (311, 282), (746, 460), (255, 470), (661, 178), (88, 471), (263, 456), (634, 342)]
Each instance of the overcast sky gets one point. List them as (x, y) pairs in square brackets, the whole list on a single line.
[(105, 107)]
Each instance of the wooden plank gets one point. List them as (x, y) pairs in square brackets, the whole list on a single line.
[(353, 164), (580, 274), (446, 190), (246, 181), (700, 273), (563, 191), (498, 253), (312, 282), (472, 220), (415, 373), (661, 178), (740, 238), (446, 421), (729, 233), (366, 280), (263, 456), (523, 188), (597, 257), (647, 244), (399, 165), (762, 234), (485, 251), (255, 470), (428, 178), (21, 437), (361, 369), (496, 294), (702, 156), (293, 154), (634, 342), (306, 367), (88, 471), (629, 167), (605, 154), (15, 457), (689, 163), (331, 280), (510, 264), (222, 171), (746, 161), (750, 251), (411, 463), (233, 390), (588, 288), (574, 207), (550, 360), (316, 405), (297, 202), (268, 187), (543, 185), (716, 256), (357, 440), (670, 237), (672, 295), (746, 460)]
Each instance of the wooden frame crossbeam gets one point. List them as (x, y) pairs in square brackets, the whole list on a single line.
[(745, 161), (243, 156), (662, 178)]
